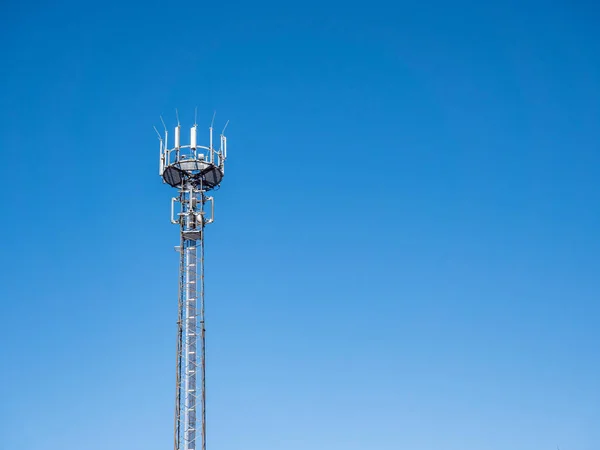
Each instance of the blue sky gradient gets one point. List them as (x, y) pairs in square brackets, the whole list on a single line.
[(406, 246)]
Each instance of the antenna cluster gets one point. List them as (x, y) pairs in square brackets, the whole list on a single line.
[(192, 162)]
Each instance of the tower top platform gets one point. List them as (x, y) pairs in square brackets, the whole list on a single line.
[(202, 167)]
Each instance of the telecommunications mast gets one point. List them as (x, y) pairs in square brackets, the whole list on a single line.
[(193, 170)]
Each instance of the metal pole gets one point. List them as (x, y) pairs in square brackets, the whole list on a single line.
[(202, 329), (193, 171), (178, 368), (191, 322), (191, 344)]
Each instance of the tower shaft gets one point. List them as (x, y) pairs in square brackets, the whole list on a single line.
[(190, 408), (193, 170)]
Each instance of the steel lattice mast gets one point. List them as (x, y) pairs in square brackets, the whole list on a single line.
[(194, 170)]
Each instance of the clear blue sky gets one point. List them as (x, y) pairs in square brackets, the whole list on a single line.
[(406, 252)]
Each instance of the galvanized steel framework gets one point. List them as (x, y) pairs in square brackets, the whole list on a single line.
[(190, 325), (193, 170)]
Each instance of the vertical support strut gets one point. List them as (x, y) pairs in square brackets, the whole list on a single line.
[(179, 356), (202, 328), (191, 344)]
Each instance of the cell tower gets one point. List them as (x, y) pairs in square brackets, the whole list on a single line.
[(194, 170)]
